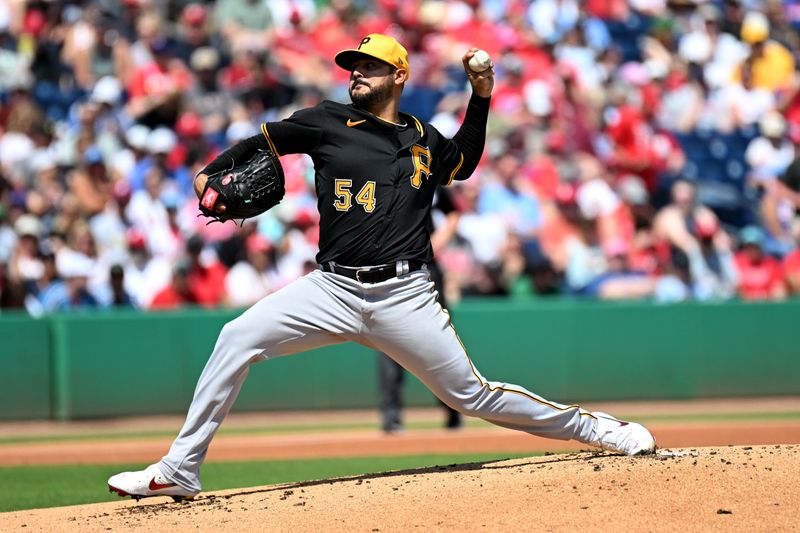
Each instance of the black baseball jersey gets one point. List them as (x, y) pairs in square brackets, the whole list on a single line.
[(375, 179)]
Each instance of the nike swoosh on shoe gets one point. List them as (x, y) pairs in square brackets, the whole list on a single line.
[(158, 486)]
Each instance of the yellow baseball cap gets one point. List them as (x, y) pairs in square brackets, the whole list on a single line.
[(378, 46), (755, 27)]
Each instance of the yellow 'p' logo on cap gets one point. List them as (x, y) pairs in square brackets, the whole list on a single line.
[(377, 46)]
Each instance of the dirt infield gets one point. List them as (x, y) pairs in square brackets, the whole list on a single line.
[(722, 465), (751, 488)]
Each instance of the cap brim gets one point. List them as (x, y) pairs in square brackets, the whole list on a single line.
[(346, 58)]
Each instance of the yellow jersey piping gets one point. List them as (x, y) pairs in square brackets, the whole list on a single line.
[(455, 170), (269, 141), (418, 124)]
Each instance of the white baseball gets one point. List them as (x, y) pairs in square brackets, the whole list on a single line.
[(480, 61)]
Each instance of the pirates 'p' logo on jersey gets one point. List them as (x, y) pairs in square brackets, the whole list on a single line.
[(421, 155)]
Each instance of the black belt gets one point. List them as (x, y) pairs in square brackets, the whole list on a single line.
[(374, 274)]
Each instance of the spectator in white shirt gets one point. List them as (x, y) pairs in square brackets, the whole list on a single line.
[(770, 154), (148, 214), (253, 277), (742, 104), (144, 274)]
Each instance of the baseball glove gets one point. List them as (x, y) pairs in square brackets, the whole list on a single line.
[(244, 191)]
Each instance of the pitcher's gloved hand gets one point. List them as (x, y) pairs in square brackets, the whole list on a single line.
[(244, 191)]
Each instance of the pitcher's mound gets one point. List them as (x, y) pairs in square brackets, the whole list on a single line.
[(692, 489)]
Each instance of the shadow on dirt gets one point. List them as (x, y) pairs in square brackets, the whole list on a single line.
[(289, 488)]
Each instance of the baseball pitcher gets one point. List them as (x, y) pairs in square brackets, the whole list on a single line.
[(376, 172)]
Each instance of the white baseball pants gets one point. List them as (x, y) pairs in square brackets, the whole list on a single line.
[(400, 317)]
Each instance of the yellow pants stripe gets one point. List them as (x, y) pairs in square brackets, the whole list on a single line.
[(503, 389)]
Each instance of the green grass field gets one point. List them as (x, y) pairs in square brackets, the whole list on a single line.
[(31, 487), (342, 426)]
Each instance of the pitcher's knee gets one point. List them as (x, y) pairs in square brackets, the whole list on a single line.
[(229, 332), (235, 338)]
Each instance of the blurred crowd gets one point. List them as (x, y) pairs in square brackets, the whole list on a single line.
[(636, 149)]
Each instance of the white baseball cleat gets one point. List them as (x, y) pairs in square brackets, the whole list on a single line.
[(616, 435), (146, 483)]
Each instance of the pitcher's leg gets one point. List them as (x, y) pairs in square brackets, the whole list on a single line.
[(299, 317), (417, 333)]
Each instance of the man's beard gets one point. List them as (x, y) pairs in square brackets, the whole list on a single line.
[(376, 95)]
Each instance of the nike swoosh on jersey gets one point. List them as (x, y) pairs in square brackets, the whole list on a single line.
[(159, 486), (351, 123)]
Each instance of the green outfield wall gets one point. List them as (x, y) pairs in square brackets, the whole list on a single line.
[(25, 368), (129, 363)]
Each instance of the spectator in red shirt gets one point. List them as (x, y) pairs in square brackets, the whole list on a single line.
[(193, 31), (608, 9), (155, 88), (507, 98), (206, 279), (177, 293), (639, 147), (760, 275), (192, 148)]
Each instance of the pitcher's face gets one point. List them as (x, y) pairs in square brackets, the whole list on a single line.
[(371, 82)]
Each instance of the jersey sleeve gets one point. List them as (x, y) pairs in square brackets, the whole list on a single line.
[(241, 151), (458, 157), (301, 133), (443, 201)]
